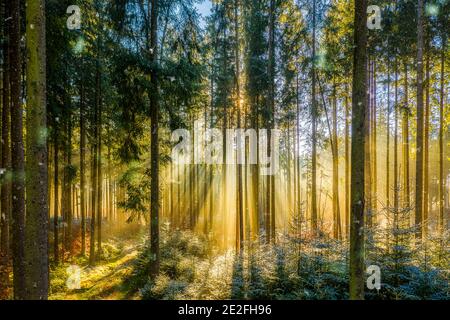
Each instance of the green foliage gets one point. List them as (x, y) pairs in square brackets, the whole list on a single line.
[(190, 270)]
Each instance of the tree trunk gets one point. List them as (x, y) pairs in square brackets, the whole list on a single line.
[(94, 180), (419, 141), (347, 165), (336, 208), (82, 170), (5, 199), (37, 174), (396, 177), (441, 140), (388, 135), (56, 194), (426, 145), (17, 156), (405, 141), (99, 171), (67, 185), (373, 118), (367, 146), (359, 131), (314, 216), (154, 115), (240, 203)]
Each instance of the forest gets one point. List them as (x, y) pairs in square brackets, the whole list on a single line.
[(224, 149)]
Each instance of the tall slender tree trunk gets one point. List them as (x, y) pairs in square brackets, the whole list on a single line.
[(56, 194), (426, 145), (82, 170), (359, 131), (67, 185), (110, 190), (5, 207), (99, 171), (373, 118), (17, 156), (396, 174), (388, 135), (368, 143), (154, 116), (271, 67), (347, 164), (314, 216), (224, 159), (441, 140), (37, 175), (336, 207), (420, 118), (94, 180), (240, 202), (297, 154), (405, 141)]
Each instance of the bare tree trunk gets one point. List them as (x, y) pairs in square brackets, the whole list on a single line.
[(100, 171), (388, 135), (405, 139), (36, 249), (5, 207), (17, 156), (82, 170), (337, 232), (154, 115), (359, 131), (240, 203), (314, 215), (396, 174), (419, 141), (56, 195), (271, 74), (347, 164), (441, 141), (426, 145), (94, 180)]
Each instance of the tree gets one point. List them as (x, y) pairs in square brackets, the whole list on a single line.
[(441, 138), (154, 117), (420, 119), (359, 131), (271, 121), (17, 156), (239, 193), (5, 159), (82, 167), (36, 251), (314, 116)]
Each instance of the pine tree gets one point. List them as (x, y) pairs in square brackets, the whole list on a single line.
[(36, 250), (359, 111)]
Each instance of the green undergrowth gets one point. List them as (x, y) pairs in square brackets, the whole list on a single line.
[(191, 268)]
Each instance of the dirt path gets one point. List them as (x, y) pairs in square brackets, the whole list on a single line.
[(105, 281)]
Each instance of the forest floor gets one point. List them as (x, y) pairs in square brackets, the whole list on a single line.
[(193, 268), (104, 281)]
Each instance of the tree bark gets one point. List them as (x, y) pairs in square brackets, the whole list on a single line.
[(314, 217), (405, 141), (82, 170), (154, 115), (37, 175), (359, 131), (441, 140), (17, 156), (420, 118), (5, 207)]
